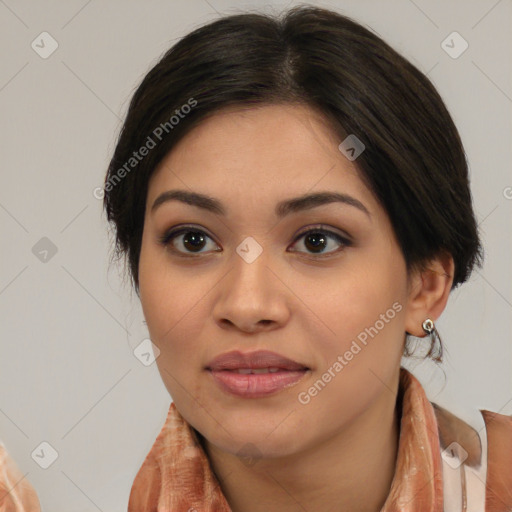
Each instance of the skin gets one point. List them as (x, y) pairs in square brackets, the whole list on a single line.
[(320, 455)]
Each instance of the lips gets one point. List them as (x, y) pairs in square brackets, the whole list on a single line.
[(255, 374), (260, 360)]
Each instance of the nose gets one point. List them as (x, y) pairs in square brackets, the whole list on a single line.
[(252, 297)]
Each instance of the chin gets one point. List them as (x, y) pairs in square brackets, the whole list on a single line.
[(247, 443)]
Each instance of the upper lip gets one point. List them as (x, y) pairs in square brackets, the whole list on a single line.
[(260, 359)]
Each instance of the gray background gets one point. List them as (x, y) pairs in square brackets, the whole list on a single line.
[(69, 326)]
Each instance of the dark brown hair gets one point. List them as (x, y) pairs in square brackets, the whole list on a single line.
[(413, 162)]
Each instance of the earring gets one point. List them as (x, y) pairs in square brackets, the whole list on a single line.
[(430, 330), (428, 326)]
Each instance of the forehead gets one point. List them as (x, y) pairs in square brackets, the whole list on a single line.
[(260, 152)]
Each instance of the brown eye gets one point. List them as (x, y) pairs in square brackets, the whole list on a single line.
[(186, 240), (190, 241), (318, 241)]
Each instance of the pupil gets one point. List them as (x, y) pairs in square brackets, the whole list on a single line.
[(194, 238), (318, 240)]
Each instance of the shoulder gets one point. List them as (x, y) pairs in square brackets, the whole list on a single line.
[(477, 458), (16, 493), (499, 460)]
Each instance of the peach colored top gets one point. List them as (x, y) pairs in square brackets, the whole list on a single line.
[(443, 463), (16, 493)]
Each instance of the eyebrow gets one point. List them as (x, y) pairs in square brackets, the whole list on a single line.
[(282, 209)]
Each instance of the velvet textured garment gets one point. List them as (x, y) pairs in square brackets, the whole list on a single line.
[(444, 463)]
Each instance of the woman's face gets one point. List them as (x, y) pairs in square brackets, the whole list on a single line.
[(249, 280)]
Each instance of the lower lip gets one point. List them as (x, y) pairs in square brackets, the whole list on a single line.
[(255, 385)]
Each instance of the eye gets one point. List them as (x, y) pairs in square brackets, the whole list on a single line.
[(189, 241), (317, 240), (187, 237)]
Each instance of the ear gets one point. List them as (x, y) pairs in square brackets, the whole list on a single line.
[(429, 291)]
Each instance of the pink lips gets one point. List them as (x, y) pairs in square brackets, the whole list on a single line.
[(272, 373)]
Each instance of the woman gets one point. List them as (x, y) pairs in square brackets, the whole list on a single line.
[(292, 198)]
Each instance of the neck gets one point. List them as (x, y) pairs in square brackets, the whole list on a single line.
[(351, 470)]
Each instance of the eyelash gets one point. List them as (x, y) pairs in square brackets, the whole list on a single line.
[(170, 235)]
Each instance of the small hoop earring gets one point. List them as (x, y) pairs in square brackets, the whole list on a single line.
[(428, 326), (431, 332)]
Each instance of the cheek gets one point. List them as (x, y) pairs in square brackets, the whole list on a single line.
[(174, 310), (162, 292), (173, 316), (361, 349), (362, 315)]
